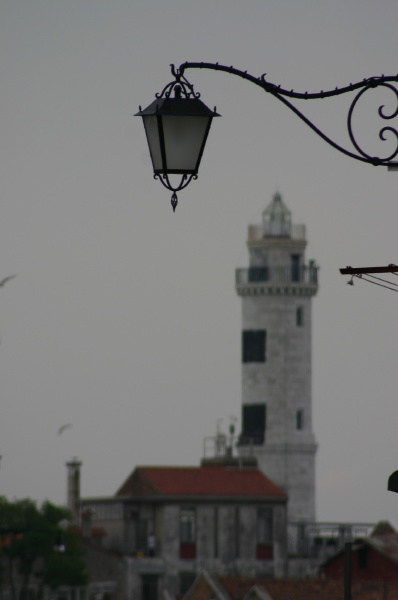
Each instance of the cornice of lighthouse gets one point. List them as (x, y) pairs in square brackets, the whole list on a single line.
[(269, 289)]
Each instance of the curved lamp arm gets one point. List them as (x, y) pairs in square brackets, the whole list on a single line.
[(177, 128), (283, 94)]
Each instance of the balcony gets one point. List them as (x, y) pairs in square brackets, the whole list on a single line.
[(322, 540), (307, 275)]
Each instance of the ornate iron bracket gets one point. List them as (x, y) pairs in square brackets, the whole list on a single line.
[(283, 94), (165, 181)]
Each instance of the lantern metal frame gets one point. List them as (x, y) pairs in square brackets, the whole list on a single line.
[(182, 89)]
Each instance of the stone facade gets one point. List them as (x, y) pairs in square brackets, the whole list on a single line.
[(195, 526), (276, 292)]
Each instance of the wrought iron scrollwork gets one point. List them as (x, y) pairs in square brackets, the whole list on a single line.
[(384, 131), (165, 181), (284, 96), (185, 87)]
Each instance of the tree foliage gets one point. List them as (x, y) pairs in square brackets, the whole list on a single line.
[(37, 547)]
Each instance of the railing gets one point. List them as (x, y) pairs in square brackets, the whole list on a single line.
[(217, 446), (321, 540), (232, 447), (302, 275), (293, 232), (250, 440)]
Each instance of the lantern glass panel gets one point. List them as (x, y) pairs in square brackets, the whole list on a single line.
[(152, 134), (183, 138)]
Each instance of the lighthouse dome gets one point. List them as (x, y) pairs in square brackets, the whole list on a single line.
[(277, 218)]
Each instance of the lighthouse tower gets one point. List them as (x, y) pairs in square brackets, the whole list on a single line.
[(276, 291)]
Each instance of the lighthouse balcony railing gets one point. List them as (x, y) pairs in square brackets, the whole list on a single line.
[(284, 230), (307, 275)]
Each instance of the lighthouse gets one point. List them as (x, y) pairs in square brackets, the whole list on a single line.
[(276, 292)]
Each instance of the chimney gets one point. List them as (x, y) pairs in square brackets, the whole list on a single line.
[(73, 489)]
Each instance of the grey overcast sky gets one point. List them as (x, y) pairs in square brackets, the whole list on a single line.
[(123, 319)]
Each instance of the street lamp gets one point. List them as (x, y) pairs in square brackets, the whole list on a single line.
[(177, 127), (392, 484)]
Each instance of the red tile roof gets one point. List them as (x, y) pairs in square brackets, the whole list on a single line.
[(381, 560), (308, 589), (304, 589), (199, 481)]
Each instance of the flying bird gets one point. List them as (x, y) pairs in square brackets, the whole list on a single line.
[(4, 281), (62, 429)]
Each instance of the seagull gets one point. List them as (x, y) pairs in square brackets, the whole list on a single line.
[(62, 429), (4, 281)]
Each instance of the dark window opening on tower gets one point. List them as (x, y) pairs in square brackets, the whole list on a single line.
[(253, 346), (295, 267), (300, 419), (254, 420), (299, 316)]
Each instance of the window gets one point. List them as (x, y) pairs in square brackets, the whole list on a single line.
[(300, 419), (264, 525), (253, 346), (295, 266), (188, 533), (187, 524), (264, 534), (299, 316), (254, 419), (105, 510), (141, 536)]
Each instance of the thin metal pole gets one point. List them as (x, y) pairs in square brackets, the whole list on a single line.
[(347, 570)]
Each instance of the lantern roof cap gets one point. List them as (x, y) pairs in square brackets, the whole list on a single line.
[(179, 106)]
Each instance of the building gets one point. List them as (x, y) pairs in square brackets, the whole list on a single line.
[(172, 522), (250, 510), (276, 291), (372, 558), (255, 588)]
